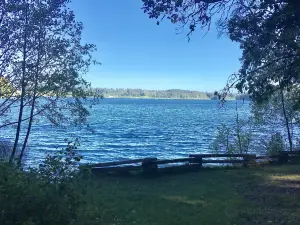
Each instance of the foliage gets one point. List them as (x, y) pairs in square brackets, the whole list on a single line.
[(49, 194), (232, 140), (274, 145), (43, 61), (278, 111), (232, 196), (267, 31), (139, 93), (222, 140), (192, 13), (236, 139), (270, 112), (60, 167), (5, 88), (172, 94), (269, 37)]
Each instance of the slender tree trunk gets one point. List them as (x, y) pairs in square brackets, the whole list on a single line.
[(33, 98), (238, 129), (227, 144), (286, 120), (12, 156), (32, 109), (29, 124)]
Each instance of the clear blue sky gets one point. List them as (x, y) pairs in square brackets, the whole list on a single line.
[(136, 53)]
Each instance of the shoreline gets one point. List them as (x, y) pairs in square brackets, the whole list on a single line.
[(149, 98)]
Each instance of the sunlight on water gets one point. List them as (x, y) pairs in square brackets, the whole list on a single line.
[(134, 128)]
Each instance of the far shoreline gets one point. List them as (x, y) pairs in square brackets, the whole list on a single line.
[(149, 98), (175, 94)]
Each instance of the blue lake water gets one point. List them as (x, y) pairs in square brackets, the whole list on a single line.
[(134, 128)]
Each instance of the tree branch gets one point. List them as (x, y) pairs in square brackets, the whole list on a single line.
[(37, 113)]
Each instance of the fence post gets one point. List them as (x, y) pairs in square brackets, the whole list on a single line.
[(196, 161), (248, 159), (283, 157), (150, 166), (200, 162)]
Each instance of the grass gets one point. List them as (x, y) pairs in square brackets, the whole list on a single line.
[(267, 195)]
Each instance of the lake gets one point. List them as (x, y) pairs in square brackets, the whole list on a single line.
[(134, 128)]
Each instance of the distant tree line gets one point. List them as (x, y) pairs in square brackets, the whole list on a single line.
[(168, 94)]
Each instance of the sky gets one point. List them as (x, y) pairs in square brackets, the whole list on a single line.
[(136, 53)]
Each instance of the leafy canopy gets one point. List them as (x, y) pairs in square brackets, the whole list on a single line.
[(267, 30)]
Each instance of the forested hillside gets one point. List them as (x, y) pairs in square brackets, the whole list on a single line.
[(164, 94)]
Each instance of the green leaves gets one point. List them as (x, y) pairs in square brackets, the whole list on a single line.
[(236, 139), (61, 166), (44, 60), (270, 47), (178, 3), (49, 194), (268, 32), (188, 13)]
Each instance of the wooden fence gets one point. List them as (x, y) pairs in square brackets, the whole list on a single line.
[(193, 162)]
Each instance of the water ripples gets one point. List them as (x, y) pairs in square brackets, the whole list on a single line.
[(134, 128)]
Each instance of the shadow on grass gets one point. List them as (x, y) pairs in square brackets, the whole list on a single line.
[(267, 195), (275, 194)]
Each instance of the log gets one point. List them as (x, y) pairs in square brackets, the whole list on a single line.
[(116, 168), (223, 161), (221, 155), (267, 157), (290, 152), (122, 162), (165, 161)]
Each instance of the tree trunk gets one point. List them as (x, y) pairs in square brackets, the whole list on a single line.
[(286, 120), (12, 156), (29, 124), (33, 98), (238, 129), (32, 108)]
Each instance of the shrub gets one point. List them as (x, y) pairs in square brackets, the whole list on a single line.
[(230, 140), (48, 194), (222, 142), (274, 145)]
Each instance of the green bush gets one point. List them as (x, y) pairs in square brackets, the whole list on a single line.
[(52, 193), (222, 141), (274, 145), (230, 140)]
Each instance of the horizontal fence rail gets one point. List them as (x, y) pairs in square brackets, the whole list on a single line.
[(194, 161), (132, 161), (220, 155)]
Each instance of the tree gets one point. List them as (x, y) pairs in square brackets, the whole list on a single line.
[(48, 67), (192, 13), (269, 37), (267, 30), (10, 32), (236, 139), (277, 112), (5, 87)]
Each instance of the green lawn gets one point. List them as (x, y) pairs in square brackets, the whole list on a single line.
[(266, 195)]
